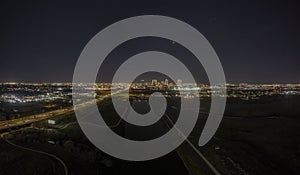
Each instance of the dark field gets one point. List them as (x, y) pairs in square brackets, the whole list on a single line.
[(255, 137)]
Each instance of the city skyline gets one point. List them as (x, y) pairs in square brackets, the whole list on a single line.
[(159, 87)]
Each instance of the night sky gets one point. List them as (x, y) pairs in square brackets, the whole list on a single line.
[(256, 42)]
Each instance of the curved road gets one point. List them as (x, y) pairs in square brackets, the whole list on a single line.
[(40, 152)]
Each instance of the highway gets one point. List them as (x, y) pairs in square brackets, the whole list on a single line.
[(171, 162), (156, 130), (15, 123), (168, 164), (211, 167)]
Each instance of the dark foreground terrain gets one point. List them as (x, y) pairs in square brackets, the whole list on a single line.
[(258, 136)]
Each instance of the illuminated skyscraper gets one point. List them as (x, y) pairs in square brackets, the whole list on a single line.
[(179, 83), (166, 81), (154, 82)]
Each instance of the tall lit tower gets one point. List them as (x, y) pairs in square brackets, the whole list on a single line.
[(179, 83), (166, 82), (154, 82)]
